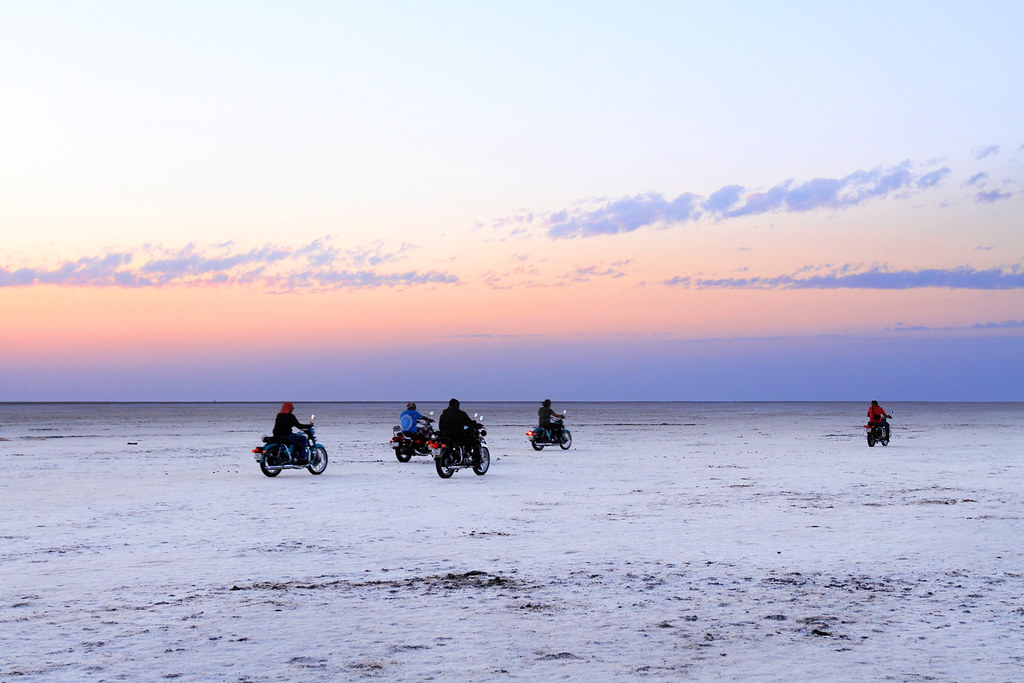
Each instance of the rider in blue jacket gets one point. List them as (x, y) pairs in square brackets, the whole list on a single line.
[(409, 419)]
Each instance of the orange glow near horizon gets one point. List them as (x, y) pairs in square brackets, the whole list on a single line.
[(146, 323)]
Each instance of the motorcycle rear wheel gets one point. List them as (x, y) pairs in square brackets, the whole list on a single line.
[(270, 470), (401, 455), (440, 465), (871, 439), (319, 461), (484, 463), (536, 446), (566, 440)]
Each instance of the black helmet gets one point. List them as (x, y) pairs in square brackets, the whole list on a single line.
[(454, 403), (547, 403), (410, 406)]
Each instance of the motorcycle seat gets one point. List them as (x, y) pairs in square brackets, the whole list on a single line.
[(273, 440)]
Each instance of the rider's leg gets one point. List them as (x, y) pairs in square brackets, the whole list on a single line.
[(297, 444)]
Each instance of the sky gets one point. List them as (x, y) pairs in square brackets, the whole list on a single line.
[(313, 200)]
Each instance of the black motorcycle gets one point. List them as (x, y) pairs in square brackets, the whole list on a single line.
[(276, 455), (556, 435), (878, 432), (406, 445), (450, 456)]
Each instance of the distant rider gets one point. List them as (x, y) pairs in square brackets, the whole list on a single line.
[(456, 426), (878, 416), (545, 413), (410, 418), (283, 425)]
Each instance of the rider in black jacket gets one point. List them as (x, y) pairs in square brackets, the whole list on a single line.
[(455, 425), (283, 425)]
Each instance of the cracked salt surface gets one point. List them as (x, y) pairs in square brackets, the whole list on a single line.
[(672, 541)]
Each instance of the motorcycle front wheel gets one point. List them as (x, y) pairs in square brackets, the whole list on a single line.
[(318, 461), (566, 440), (484, 463)]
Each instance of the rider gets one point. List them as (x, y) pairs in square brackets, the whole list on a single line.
[(878, 416), (456, 426), (409, 419), (283, 430), (545, 413)]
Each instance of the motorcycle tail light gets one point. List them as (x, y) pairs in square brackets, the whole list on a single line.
[(257, 450), (529, 433)]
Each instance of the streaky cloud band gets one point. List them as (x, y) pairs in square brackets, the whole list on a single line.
[(1004, 325), (878, 277), (628, 214), (314, 266)]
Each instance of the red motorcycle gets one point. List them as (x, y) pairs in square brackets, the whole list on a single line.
[(419, 443)]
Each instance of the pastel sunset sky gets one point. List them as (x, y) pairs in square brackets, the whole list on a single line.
[(588, 200)]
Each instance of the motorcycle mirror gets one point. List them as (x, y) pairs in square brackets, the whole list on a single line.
[(311, 416), (431, 412)]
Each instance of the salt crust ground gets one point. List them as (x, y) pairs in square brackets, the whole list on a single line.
[(673, 542)]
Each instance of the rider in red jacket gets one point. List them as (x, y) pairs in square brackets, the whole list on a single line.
[(876, 415)]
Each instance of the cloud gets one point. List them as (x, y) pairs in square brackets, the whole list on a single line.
[(588, 273), (977, 178), (628, 214), (364, 279), (312, 266), (932, 179), (375, 255), (984, 152), (624, 215), (1004, 325), (878, 277), (720, 201), (492, 336), (992, 196)]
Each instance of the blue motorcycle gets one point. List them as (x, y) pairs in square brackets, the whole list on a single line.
[(276, 455), (556, 435)]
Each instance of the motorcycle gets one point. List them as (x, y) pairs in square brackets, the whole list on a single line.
[(557, 435), (276, 455), (878, 432), (407, 446), (449, 457)]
